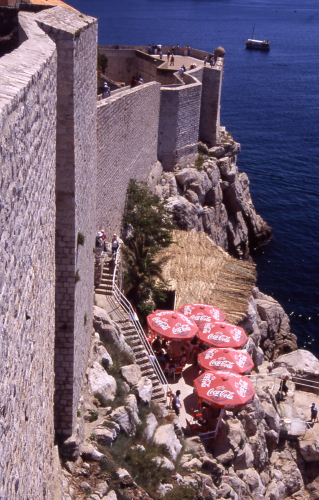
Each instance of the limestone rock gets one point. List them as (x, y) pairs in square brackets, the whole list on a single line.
[(198, 182), (144, 390), (164, 463), (101, 488), (259, 448), (88, 452), (101, 383), (185, 214), (110, 496), (106, 433), (271, 417), (222, 449), (108, 331), (217, 151), (132, 374), (244, 458), (252, 480), (192, 464), (309, 447), (236, 433), (236, 484), (151, 424), (300, 363), (126, 417), (286, 470), (165, 435), (279, 339)]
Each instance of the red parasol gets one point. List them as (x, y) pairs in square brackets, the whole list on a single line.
[(224, 389), (226, 359), (172, 325), (202, 313), (222, 335)]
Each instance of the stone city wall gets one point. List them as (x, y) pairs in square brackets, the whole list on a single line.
[(75, 36), (210, 105), (27, 268), (127, 134), (179, 122)]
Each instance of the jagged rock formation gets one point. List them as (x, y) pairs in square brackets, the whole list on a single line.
[(210, 195)]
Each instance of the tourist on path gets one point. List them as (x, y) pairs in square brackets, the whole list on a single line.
[(314, 412), (116, 242), (172, 60), (177, 402), (205, 60)]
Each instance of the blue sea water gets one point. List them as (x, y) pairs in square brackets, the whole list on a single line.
[(270, 103)]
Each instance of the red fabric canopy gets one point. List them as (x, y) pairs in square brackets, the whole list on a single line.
[(201, 313), (172, 325), (222, 335), (224, 389), (226, 359)]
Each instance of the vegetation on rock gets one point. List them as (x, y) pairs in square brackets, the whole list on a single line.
[(149, 229)]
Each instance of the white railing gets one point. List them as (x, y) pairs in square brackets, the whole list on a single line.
[(128, 309)]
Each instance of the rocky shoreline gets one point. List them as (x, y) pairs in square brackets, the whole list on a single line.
[(211, 195), (125, 443)]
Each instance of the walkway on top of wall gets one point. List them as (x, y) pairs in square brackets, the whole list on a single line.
[(179, 61)]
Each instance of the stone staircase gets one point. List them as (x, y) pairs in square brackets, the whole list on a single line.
[(129, 332), (105, 287)]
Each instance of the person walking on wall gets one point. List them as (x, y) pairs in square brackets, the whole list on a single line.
[(205, 60), (133, 82), (168, 55), (172, 60), (181, 71), (177, 402), (314, 413)]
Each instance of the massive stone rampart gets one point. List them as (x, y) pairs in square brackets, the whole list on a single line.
[(27, 268), (127, 134), (75, 36), (179, 122)]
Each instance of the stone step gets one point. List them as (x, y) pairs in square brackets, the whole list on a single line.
[(102, 292)]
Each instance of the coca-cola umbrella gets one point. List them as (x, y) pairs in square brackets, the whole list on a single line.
[(226, 359), (201, 313), (224, 389), (172, 325), (222, 335)]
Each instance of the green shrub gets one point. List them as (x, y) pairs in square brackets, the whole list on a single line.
[(77, 276), (94, 415), (81, 238), (101, 399)]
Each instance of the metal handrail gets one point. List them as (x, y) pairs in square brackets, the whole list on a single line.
[(128, 309)]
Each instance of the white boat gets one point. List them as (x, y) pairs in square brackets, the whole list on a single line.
[(251, 43)]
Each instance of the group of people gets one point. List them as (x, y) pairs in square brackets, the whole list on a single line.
[(100, 242), (210, 60), (135, 81)]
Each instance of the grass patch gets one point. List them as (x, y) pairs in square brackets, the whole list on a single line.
[(199, 162), (181, 492)]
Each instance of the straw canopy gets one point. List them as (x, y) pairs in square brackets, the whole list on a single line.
[(201, 272)]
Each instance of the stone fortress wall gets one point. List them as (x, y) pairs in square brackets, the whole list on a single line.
[(66, 161), (27, 264), (75, 36), (127, 136)]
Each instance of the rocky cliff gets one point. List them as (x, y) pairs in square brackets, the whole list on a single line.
[(211, 195)]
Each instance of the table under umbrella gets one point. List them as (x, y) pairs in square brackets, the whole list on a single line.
[(226, 359), (224, 389), (172, 325), (202, 313), (222, 335)]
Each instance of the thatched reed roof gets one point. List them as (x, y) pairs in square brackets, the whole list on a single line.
[(201, 272)]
